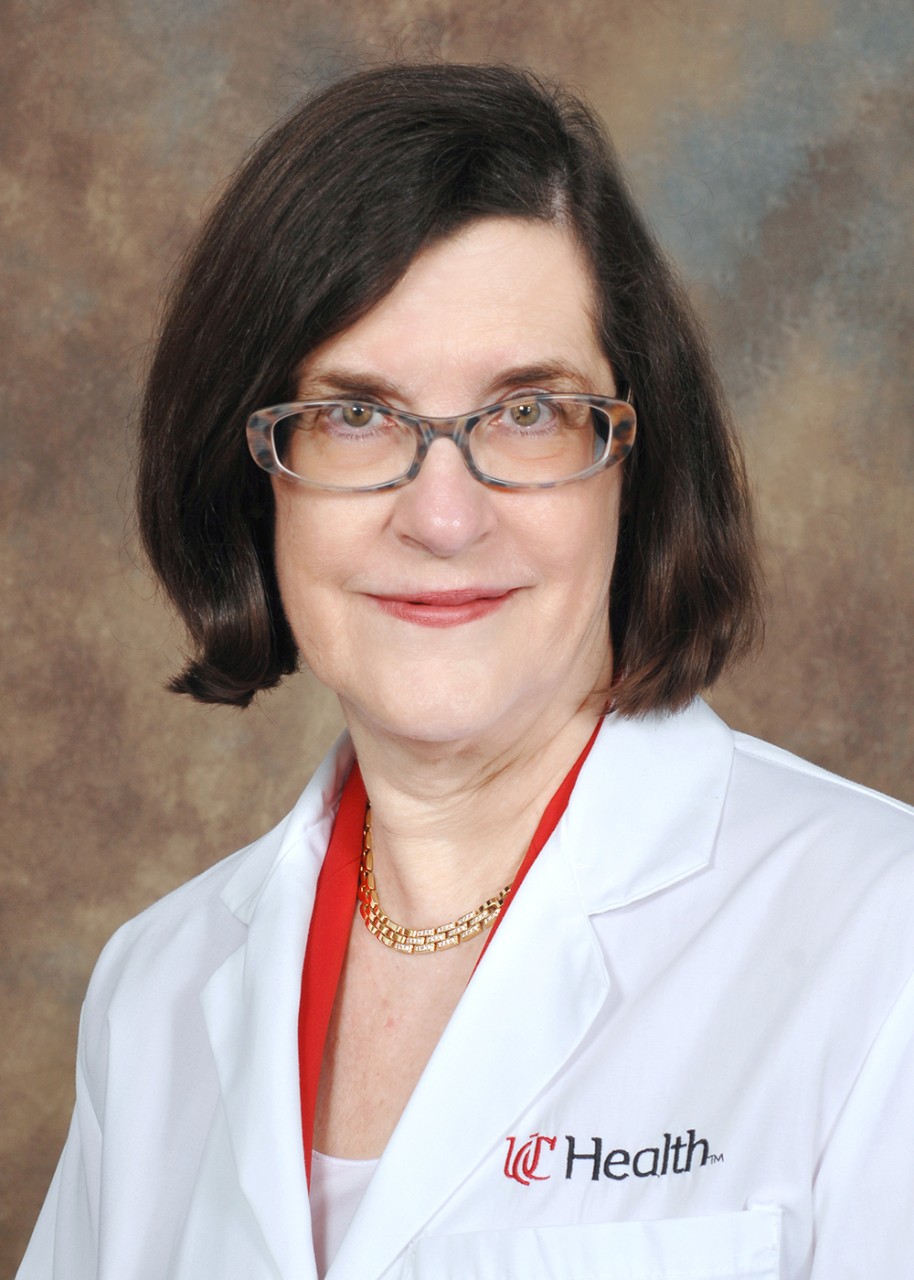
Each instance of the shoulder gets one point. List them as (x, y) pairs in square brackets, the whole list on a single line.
[(829, 864), (841, 851), (662, 798), (183, 937), (794, 797)]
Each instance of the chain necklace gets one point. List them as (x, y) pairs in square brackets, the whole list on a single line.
[(436, 937)]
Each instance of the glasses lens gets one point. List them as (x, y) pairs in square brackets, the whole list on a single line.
[(344, 444), (540, 441)]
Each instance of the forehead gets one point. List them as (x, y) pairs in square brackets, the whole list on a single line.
[(500, 296)]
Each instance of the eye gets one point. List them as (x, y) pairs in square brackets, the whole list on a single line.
[(356, 415), (527, 414), (535, 416)]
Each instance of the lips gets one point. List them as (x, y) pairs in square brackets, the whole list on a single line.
[(444, 608), (448, 597)]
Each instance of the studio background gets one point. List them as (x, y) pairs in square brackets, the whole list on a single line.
[(771, 145)]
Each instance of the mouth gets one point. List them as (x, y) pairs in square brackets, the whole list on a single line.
[(444, 608)]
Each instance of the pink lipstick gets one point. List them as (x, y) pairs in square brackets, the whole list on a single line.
[(444, 608)]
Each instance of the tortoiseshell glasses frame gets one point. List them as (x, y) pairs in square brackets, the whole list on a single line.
[(526, 442)]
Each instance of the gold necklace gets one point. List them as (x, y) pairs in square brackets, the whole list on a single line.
[(437, 937)]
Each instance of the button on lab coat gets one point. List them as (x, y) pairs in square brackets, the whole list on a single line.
[(687, 1053)]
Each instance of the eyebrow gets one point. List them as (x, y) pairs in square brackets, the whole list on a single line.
[(554, 374)]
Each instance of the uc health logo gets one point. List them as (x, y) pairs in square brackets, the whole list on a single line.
[(521, 1161), (668, 1155)]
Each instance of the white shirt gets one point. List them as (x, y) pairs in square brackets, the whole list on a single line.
[(336, 1191), (687, 1054)]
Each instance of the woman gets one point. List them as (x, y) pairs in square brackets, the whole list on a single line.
[(548, 973)]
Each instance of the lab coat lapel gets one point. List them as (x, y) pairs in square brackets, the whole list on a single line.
[(521, 1018), (251, 1009)]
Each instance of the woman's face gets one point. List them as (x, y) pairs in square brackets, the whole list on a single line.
[(445, 611)]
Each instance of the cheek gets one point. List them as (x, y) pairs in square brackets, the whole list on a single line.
[(316, 535), (584, 534), (304, 555), (597, 535), (301, 560), (289, 544)]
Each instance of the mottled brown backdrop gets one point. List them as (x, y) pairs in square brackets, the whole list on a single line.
[(771, 144)]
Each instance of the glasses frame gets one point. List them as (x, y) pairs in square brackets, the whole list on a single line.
[(619, 443)]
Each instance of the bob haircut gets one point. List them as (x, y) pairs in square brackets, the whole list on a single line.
[(319, 224)]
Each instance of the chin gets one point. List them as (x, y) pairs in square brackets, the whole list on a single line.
[(440, 715)]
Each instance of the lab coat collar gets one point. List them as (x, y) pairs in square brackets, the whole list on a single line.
[(658, 782), (302, 828), (647, 805)]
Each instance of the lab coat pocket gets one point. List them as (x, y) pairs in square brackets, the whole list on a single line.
[(726, 1246)]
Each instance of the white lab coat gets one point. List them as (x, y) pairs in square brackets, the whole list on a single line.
[(688, 1053)]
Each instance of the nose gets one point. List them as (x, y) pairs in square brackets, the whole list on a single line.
[(444, 510)]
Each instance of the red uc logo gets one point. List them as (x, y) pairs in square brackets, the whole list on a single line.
[(521, 1162)]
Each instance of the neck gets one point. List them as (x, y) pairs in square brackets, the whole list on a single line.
[(451, 822)]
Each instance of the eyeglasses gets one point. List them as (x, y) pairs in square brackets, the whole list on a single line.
[(353, 446)]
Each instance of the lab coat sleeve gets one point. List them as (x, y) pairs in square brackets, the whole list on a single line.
[(64, 1244), (864, 1189)]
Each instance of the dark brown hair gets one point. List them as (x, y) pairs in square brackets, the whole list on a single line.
[(318, 225)]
